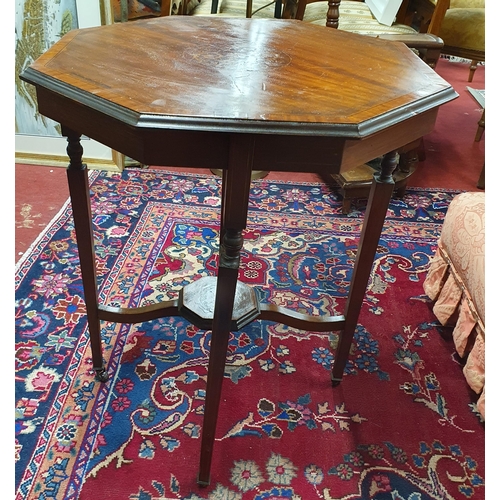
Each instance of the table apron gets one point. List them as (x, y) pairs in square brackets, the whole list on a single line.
[(357, 152), (210, 149), (191, 148)]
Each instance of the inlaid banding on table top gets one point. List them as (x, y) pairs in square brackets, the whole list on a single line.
[(257, 74)]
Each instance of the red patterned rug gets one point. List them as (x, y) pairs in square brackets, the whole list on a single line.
[(402, 425)]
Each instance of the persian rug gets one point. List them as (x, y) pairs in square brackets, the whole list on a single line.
[(402, 425)]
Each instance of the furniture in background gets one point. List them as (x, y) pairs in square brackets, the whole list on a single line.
[(480, 127), (413, 25), (455, 281), (480, 97), (480, 130), (129, 10), (355, 16), (315, 106), (356, 182), (481, 181), (260, 9), (249, 12), (463, 31)]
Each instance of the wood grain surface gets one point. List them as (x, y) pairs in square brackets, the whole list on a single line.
[(265, 75)]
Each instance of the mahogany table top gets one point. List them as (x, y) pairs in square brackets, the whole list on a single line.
[(240, 75)]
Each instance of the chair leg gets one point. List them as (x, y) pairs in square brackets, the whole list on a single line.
[(432, 56), (421, 150), (472, 69), (481, 182), (166, 8), (278, 9), (480, 127), (346, 205), (249, 8)]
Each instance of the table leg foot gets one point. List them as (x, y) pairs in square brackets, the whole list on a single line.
[(203, 482), (101, 374), (341, 356)]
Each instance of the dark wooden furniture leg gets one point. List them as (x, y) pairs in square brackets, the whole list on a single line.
[(277, 9), (235, 193), (408, 159), (480, 126), (481, 180), (378, 202), (472, 70), (80, 202), (479, 134), (248, 13)]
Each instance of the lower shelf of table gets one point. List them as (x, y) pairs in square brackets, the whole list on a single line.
[(196, 304)]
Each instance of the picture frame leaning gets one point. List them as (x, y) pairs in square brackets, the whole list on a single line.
[(38, 25)]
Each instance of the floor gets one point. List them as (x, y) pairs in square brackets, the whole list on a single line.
[(453, 160)]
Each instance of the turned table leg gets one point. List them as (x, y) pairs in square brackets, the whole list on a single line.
[(235, 192), (378, 202), (80, 202)]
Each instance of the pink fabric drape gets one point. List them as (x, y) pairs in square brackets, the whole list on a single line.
[(455, 281)]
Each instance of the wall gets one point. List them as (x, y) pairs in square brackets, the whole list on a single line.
[(38, 25)]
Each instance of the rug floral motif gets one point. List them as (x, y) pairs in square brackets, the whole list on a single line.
[(402, 425)]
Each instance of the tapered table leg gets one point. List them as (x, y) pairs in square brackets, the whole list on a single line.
[(80, 202), (378, 202), (235, 192)]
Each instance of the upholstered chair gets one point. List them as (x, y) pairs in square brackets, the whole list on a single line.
[(354, 16), (463, 31), (414, 24), (406, 25)]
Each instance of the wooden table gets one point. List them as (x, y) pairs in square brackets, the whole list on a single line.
[(237, 95)]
